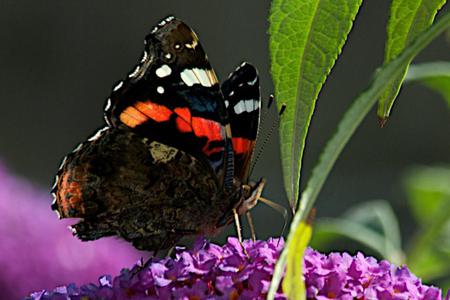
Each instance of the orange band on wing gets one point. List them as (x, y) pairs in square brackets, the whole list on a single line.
[(211, 129), (69, 196), (154, 111), (182, 125), (132, 117), (184, 113), (242, 145), (183, 119), (135, 115)]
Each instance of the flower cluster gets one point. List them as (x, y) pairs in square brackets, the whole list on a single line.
[(341, 276), (209, 271)]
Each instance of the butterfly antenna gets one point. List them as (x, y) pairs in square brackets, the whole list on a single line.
[(269, 103), (264, 112), (269, 134)]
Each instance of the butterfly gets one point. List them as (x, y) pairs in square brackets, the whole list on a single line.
[(174, 157)]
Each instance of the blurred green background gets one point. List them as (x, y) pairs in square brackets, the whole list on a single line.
[(59, 61)]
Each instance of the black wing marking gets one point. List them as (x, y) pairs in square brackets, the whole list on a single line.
[(243, 102)]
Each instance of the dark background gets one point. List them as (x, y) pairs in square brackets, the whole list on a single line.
[(60, 59)]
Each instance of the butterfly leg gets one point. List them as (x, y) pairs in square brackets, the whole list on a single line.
[(252, 200), (239, 231), (278, 208), (238, 225), (248, 215)]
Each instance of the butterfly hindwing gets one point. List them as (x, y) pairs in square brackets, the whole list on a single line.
[(243, 102), (173, 95)]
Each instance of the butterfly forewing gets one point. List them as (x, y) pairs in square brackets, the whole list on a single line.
[(173, 96)]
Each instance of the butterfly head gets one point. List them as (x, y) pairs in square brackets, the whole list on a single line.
[(249, 195)]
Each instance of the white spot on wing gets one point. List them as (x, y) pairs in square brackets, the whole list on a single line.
[(169, 18), (160, 89), (62, 164), (168, 55), (57, 212), (206, 78), (188, 77), (246, 106), (118, 86), (253, 81), (97, 134), (163, 71), (227, 103), (249, 105), (77, 148), (192, 45), (108, 104), (56, 183), (239, 107), (144, 56), (135, 72), (162, 23)]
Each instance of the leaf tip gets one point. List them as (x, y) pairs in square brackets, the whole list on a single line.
[(382, 121), (293, 207)]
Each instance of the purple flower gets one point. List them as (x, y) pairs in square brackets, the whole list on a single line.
[(38, 251), (209, 271)]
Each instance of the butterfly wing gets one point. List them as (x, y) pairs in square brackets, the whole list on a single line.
[(151, 194), (243, 102), (173, 96)]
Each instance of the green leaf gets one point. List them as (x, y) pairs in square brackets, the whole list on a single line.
[(372, 224), (434, 75), (428, 189), (346, 127), (429, 264), (293, 283), (361, 234), (379, 212), (407, 20), (306, 37)]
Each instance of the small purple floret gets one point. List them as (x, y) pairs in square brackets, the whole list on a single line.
[(209, 271)]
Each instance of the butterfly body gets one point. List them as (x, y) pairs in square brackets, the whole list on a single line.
[(168, 164)]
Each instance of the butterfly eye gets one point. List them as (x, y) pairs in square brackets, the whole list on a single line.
[(178, 47)]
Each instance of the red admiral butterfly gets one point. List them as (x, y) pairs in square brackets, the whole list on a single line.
[(174, 157)]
